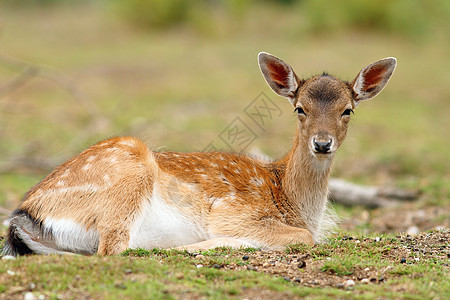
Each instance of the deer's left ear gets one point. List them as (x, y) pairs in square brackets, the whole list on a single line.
[(372, 79)]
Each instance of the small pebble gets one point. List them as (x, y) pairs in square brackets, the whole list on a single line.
[(8, 257), (200, 256), (367, 269), (265, 265), (377, 239), (301, 264), (365, 280), (252, 268), (31, 286), (128, 271), (349, 283), (413, 230), (12, 273), (403, 260), (217, 266), (29, 296), (340, 285), (287, 278), (199, 266), (245, 257), (298, 280)]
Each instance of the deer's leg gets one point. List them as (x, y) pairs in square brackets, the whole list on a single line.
[(274, 236), (113, 241)]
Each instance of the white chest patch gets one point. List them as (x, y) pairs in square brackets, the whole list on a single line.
[(160, 225)]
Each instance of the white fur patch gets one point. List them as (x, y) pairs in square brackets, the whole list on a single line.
[(161, 225), (86, 167), (71, 236)]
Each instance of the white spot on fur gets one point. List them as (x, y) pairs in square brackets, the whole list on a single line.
[(90, 158), (86, 167), (60, 183), (129, 143), (66, 173), (214, 165), (113, 159), (111, 149), (86, 188)]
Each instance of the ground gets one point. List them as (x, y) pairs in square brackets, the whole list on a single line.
[(351, 264)]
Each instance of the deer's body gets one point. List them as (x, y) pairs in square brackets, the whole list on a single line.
[(118, 194)]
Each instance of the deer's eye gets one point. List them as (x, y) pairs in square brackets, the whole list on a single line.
[(347, 112), (299, 110)]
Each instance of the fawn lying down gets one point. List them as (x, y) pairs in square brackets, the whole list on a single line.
[(118, 194)]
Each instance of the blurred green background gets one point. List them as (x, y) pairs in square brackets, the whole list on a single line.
[(176, 73)]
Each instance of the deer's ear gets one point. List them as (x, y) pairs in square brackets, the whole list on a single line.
[(372, 79), (278, 75)]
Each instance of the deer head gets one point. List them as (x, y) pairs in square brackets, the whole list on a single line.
[(324, 103)]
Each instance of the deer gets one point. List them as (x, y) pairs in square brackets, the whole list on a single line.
[(118, 194)]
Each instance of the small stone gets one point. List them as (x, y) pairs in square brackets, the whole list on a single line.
[(31, 286), (340, 285), (328, 258), (265, 265), (200, 256), (349, 283), (179, 275), (298, 280), (416, 258), (301, 264), (128, 271), (252, 268), (413, 230), (367, 269), (377, 239), (381, 279), (287, 278), (217, 266), (9, 272), (29, 296), (120, 286), (8, 257), (403, 260), (245, 257), (365, 280), (199, 266)]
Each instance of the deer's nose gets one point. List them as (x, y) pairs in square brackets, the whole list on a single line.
[(322, 146)]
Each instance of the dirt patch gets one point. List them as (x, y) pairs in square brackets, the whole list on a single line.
[(310, 268)]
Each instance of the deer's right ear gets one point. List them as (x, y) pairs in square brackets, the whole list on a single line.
[(278, 75)]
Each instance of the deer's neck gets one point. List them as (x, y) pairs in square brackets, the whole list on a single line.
[(305, 184)]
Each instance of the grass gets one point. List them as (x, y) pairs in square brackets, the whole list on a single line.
[(179, 89), (222, 273)]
